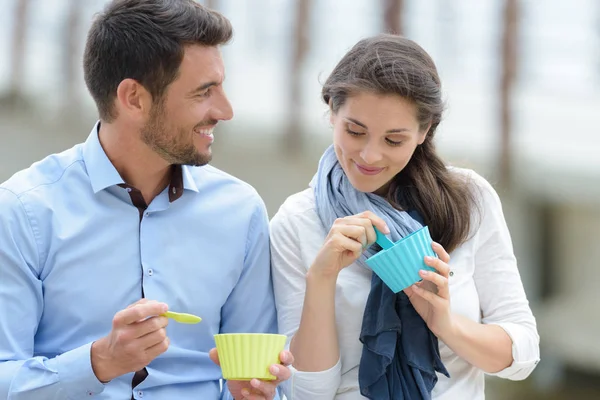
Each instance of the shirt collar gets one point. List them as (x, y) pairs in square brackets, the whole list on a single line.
[(103, 173), (181, 179), (188, 180), (99, 168)]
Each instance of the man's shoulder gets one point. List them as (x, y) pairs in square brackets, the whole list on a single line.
[(45, 174), (212, 178)]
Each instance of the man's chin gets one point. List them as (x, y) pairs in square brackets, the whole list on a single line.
[(201, 161)]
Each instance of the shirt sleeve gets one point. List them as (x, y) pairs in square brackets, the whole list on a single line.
[(501, 294), (250, 306), (23, 376), (289, 281)]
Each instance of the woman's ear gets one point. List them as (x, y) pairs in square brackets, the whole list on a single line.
[(423, 134), (331, 113)]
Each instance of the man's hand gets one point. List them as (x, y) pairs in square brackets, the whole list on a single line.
[(257, 389), (137, 337)]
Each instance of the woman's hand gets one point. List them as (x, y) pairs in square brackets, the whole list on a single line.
[(256, 389), (346, 241), (431, 296)]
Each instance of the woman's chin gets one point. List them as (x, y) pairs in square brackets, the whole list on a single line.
[(362, 185)]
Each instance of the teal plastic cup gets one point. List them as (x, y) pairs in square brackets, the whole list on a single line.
[(398, 264)]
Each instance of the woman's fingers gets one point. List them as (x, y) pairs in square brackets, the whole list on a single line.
[(345, 243), (435, 300), (438, 280), (439, 265), (352, 231), (376, 221), (441, 252), (367, 220)]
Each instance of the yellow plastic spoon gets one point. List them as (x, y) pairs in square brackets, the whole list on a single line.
[(182, 318)]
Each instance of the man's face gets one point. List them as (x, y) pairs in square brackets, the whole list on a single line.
[(180, 125)]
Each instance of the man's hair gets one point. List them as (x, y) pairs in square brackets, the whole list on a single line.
[(145, 40)]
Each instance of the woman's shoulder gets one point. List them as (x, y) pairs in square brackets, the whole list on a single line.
[(298, 210), (298, 203), (480, 186), (487, 211), (469, 176)]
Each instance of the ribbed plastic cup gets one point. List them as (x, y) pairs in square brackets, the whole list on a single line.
[(398, 267), (245, 356)]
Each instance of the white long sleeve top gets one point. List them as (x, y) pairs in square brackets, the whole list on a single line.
[(485, 286)]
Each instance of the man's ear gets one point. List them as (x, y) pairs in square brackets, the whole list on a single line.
[(133, 99)]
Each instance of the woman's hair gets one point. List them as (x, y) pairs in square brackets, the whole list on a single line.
[(390, 64)]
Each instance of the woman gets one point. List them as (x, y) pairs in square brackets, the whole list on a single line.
[(352, 337)]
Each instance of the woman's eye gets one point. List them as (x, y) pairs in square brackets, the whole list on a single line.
[(393, 142), (353, 133)]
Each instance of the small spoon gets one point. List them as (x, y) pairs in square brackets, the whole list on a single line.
[(182, 318), (382, 240)]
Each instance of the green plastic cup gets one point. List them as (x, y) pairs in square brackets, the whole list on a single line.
[(245, 356)]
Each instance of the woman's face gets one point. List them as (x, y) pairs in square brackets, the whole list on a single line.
[(374, 137)]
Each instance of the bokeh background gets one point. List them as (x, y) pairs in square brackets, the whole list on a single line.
[(522, 84)]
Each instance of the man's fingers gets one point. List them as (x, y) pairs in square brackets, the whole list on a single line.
[(153, 338), (158, 349), (148, 326), (214, 356), (139, 312), (140, 301)]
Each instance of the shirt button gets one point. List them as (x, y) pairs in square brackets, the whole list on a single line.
[(147, 214), (90, 394), (174, 191), (128, 190), (140, 393), (150, 272), (451, 273)]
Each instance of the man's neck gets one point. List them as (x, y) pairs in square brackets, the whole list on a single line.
[(137, 164)]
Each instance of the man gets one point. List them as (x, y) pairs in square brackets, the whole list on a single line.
[(135, 213)]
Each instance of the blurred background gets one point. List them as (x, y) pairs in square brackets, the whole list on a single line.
[(521, 79)]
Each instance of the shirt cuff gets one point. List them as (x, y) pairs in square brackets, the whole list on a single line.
[(225, 394), (313, 385), (76, 374), (525, 351)]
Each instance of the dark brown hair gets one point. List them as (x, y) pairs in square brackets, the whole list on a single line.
[(145, 40), (390, 64)]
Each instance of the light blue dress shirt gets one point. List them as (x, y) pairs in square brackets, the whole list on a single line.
[(73, 252)]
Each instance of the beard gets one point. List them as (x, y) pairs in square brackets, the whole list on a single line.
[(174, 144)]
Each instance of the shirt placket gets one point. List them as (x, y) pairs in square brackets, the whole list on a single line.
[(175, 192), (138, 201)]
